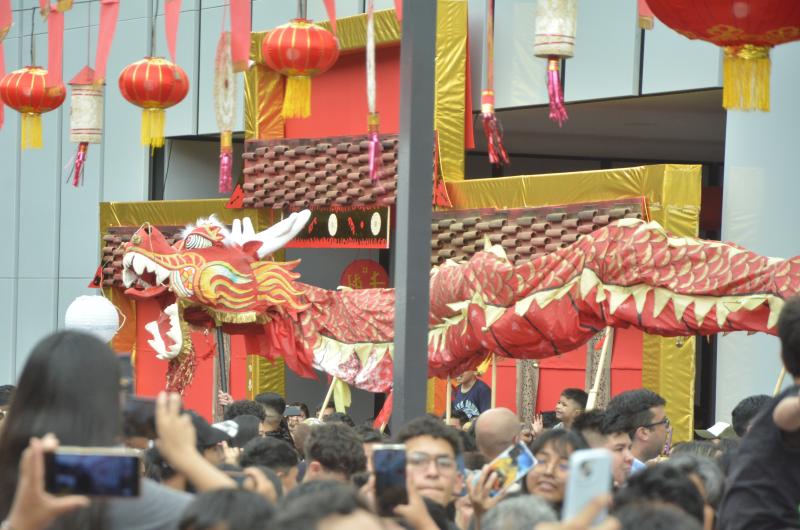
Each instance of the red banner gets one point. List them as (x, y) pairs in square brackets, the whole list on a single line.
[(173, 12), (109, 10), (55, 47), (240, 34)]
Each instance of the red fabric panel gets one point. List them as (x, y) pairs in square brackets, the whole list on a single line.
[(339, 97), (556, 374), (506, 383), (238, 382)]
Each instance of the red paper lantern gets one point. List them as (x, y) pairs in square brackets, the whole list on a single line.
[(154, 84), (24, 90), (746, 29), (299, 50)]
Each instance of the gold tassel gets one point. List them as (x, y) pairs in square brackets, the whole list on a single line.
[(297, 98), (31, 134), (645, 22), (153, 127), (746, 74)]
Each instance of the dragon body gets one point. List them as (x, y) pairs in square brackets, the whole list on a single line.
[(630, 273)]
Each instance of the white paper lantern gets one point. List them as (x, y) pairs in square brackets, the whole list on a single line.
[(95, 315)]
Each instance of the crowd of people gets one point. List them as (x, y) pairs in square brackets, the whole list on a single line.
[(269, 465)]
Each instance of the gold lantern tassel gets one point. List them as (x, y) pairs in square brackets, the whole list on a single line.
[(153, 127), (297, 98), (31, 134), (746, 73)]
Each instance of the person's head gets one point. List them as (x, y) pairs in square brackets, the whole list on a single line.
[(704, 472), (327, 411), (265, 482), (590, 426), (789, 333), (6, 393), (334, 451), (209, 440), (51, 398), (241, 429), (339, 417), (157, 469), (296, 419), (231, 509), (655, 516), (649, 422), (432, 450), (467, 378), (746, 410), (662, 484), (274, 454), (324, 505), (524, 511), (272, 401), (616, 429), (697, 447), (548, 478), (242, 407), (300, 435), (495, 430), (458, 419), (571, 404), (369, 436)]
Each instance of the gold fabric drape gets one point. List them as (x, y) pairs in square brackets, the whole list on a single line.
[(263, 96), (352, 31), (673, 200)]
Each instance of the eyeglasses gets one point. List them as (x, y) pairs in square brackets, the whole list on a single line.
[(444, 464), (664, 422), (544, 464)]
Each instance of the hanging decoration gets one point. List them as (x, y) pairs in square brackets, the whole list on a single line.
[(172, 11), (747, 31), (240, 34), (373, 119), (299, 50), (5, 26), (155, 84), (556, 21), (109, 11), (54, 13), (225, 109), (645, 15), (492, 127), (25, 90), (86, 117)]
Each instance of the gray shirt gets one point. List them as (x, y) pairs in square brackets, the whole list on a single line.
[(157, 508)]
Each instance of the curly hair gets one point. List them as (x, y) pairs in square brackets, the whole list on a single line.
[(245, 406), (337, 447)]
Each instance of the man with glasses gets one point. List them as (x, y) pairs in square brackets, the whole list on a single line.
[(432, 451), (648, 420)]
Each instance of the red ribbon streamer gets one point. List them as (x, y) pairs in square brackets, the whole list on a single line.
[(109, 11), (5, 26), (55, 47), (382, 419), (330, 7), (558, 113), (644, 9), (240, 34), (173, 11), (398, 9)]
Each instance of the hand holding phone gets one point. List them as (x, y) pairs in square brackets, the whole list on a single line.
[(389, 463), (93, 471), (589, 478), (510, 466)]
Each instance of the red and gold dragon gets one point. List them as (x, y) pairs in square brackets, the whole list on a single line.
[(630, 273)]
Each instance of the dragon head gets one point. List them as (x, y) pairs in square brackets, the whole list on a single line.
[(212, 276)]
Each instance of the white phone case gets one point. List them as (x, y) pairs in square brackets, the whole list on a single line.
[(589, 477)]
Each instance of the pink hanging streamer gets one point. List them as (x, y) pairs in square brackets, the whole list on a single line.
[(109, 11), (5, 26), (493, 130), (240, 34), (398, 9), (558, 113), (55, 47), (173, 11), (80, 163), (330, 7), (375, 156), (225, 172)]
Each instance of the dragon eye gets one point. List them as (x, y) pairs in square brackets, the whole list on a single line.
[(197, 241)]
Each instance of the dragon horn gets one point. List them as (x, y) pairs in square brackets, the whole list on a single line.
[(275, 237)]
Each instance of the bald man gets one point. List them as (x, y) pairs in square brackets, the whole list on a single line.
[(495, 430)]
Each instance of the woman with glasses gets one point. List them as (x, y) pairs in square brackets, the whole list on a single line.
[(548, 478)]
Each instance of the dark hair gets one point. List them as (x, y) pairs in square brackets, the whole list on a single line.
[(269, 452), (706, 469), (50, 398), (274, 479), (309, 503), (273, 401), (655, 516), (6, 393), (337, 448), (461, 416), (302, 406), (245, 406), (746, 410), (661, 484), (155, 467), (696, 447), (248, 426), (468, 442), (729, 451), (561, 440), (636, 405), (339, 417), (789, 333), (236, 509), (368, 434), (427, 426), (577, 395), (591, 420), (615, 422)]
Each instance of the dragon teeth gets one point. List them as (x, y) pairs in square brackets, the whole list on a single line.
[(128, 277), (127, 260), (161, 274), (139, 264)]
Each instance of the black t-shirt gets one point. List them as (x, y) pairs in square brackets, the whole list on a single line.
[(763, 486)]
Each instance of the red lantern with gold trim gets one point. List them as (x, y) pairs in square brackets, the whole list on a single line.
[(299, 50), (24, 90), (154, 84), (746, 29)]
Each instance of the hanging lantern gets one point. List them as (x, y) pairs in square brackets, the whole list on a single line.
[(95, 315), (299, 50), (747, 31), (556, 21), (154, 84), (24, 91), (85, 118)]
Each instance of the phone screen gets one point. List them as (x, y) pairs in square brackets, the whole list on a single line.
[(389, 463), (139, 417), (510, 466), (293, 411), (99, 472)]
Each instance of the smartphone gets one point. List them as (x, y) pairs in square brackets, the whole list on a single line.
[(292, 411), (589, 477), (510, 466), (139, 417), (93, 471), (389, 463)]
